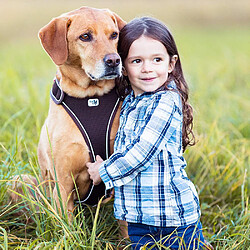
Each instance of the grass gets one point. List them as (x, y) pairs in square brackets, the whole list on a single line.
[(216, 64)]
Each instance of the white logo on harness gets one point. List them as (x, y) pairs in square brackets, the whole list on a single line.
[(93, 102)]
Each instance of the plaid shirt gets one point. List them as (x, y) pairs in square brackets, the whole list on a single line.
[(147, 168)]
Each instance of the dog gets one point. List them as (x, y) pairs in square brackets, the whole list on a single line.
[(83, 45)]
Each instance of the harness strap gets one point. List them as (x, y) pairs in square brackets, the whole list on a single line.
[(107, 107)]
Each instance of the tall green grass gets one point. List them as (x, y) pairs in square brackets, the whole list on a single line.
[(216, 65)]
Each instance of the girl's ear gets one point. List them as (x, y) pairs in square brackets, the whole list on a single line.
[(124, 71), (172, 63)]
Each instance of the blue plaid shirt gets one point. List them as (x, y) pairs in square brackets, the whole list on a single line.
[(147, 167)]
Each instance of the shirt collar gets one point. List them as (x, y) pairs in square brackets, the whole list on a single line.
[(171, 85)]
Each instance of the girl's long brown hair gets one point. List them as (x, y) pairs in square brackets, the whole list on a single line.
[(155, 29)]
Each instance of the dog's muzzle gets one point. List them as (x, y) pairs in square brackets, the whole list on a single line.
[(112, 64), (110, 68), (112, 60)]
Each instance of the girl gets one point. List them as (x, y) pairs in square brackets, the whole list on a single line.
[(152, 190)]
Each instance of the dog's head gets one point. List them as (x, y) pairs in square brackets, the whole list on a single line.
[(85, 38)]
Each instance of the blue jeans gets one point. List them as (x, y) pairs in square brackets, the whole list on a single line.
[(184, 237)]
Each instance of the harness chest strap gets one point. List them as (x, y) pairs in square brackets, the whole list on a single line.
[(94, 117)]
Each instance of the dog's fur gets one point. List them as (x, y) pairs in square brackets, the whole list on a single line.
[(78, 42), (83, 45)]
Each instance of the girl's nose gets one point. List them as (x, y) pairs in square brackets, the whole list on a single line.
[(146, 67)]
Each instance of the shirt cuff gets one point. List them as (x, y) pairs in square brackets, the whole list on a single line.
[(105, 176)]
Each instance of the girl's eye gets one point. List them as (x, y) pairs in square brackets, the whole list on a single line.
[(157, 59), (136, 61)]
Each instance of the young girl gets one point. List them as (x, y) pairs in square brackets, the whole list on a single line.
[(147, 170)]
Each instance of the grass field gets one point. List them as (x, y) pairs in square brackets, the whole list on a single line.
[(215, 54)]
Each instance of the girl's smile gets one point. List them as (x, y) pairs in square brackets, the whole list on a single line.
[(148, 79), (147, 65)]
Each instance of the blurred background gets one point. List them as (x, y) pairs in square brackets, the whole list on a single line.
[(213, 38), (23, 18)]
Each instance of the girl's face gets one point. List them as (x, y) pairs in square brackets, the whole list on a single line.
[(147, 65)]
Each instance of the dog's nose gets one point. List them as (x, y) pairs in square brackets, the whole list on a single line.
[(112, 60)]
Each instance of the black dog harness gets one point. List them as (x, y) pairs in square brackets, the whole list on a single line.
[(94, 117)]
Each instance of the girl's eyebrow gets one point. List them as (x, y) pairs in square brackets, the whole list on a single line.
[(139, 56), (158, 54), (133, 57)]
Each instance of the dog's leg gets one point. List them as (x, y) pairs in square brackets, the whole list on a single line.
[(123, 228), (17, 185), (65, 186), (123, 231), (24, 185)]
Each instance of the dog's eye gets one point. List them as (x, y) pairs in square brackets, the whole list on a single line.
[(114, 35), (85, 37)]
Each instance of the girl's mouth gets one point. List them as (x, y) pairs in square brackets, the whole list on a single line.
[(148, 79)]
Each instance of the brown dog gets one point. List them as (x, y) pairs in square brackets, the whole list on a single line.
[(83, 44)]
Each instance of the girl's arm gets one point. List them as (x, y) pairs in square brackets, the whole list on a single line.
[(164, 119)]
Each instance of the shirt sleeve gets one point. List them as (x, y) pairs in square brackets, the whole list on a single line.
[(124, 166)]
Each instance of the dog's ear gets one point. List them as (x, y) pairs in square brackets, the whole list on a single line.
[(53, 39), (118, 20)]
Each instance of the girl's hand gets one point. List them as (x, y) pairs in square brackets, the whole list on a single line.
[(93, 169)]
